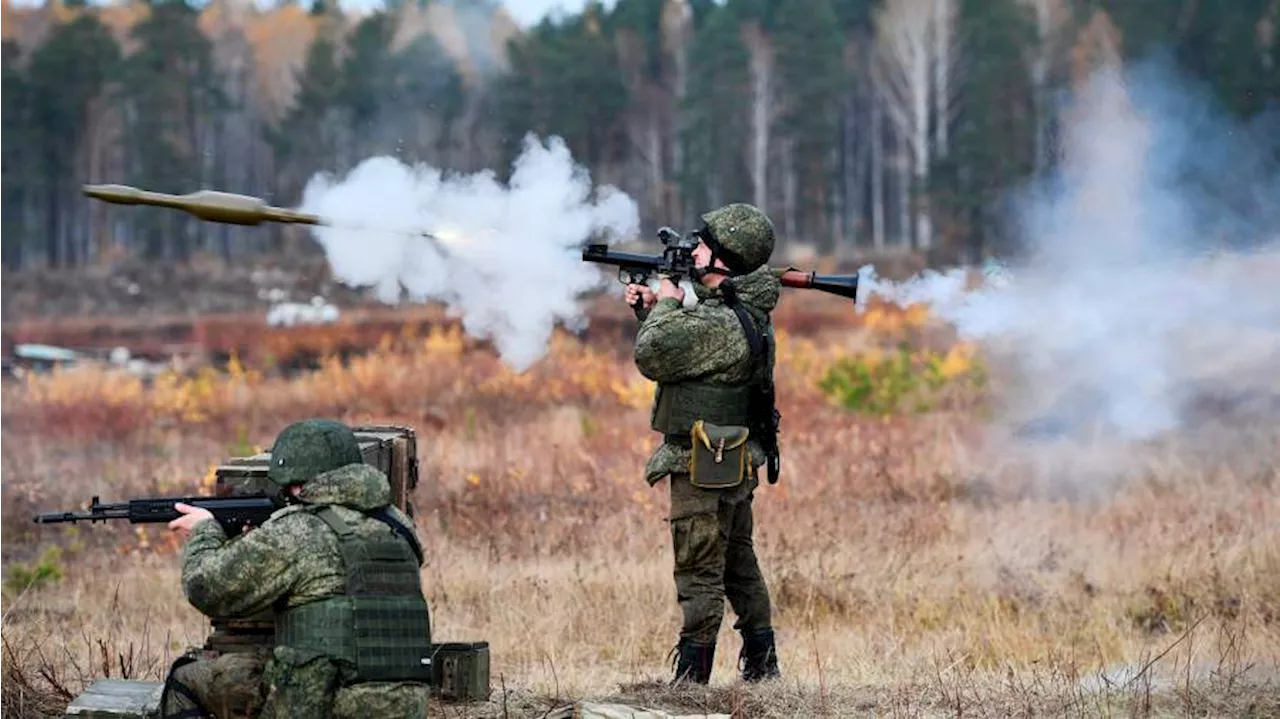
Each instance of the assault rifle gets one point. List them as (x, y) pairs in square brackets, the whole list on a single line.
[(233, 513), (676, 262)]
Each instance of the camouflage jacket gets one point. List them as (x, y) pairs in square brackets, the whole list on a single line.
[(704, 342), (292, 559)]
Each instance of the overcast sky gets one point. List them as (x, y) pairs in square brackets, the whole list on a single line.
[(529, 12)]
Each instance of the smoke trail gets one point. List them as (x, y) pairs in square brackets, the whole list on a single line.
[(507, 260), (1151, 281)]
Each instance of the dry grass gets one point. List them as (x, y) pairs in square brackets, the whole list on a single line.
[(912, 573)]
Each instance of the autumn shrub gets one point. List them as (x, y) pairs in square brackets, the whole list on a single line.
[(906, 380)]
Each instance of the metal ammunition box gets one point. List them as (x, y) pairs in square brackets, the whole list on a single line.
[(460, 671), (117, 699)]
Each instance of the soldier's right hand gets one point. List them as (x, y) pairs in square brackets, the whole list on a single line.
[(642, 292)]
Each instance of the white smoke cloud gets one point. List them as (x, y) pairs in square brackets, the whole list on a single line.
[(1151, 278), (507, 259)]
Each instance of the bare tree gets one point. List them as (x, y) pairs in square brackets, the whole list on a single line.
[(914, 64), (677, 34), (1050, 15), (762, 111)]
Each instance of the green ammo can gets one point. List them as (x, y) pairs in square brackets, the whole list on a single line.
[(460, 671)]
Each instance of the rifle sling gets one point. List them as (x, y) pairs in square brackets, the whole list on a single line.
[(382, 515)]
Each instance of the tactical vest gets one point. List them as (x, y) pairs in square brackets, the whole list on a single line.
[(380, 626), (677, 405)]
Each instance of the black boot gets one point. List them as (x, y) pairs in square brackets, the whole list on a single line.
[(693, 662), (759, 658)]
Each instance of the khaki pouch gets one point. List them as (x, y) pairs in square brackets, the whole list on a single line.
[(719, 457)]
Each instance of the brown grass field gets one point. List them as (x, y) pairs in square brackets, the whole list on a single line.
[(919, 565)]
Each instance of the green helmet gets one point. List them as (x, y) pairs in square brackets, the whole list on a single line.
[(311, 447), (740, 235)]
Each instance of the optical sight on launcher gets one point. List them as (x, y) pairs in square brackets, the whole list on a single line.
[(460, 670)]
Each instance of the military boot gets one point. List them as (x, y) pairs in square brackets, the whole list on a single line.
[(759, 658), (693, 662)]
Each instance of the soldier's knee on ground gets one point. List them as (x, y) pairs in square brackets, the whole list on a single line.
[(299, 683), (225, 686), (187, 680)]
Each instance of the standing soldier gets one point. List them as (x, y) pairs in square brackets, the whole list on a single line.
[(340, 568), (710, 363)]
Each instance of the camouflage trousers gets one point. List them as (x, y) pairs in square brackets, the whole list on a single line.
[(715, 559), (225, 686), (280, 683)]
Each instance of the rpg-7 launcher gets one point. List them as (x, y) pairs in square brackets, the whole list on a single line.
[(233, 513), (676, 262)]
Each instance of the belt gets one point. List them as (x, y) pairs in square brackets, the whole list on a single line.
[(679, 440)]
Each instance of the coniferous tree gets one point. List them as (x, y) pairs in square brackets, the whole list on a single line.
[(811, 72), (170, 92), (994, 143), (16, 156), (66, 75), (306, 139), (716, 114), (565, 81)]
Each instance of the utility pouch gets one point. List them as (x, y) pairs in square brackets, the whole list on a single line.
[(719, 458)]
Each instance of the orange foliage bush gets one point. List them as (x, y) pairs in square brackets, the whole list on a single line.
[(405, 375)]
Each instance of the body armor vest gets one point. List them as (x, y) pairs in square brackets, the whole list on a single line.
[(676, 406), (380, 626)]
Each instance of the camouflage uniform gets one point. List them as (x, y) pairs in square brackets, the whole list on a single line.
[(711, 529), (296, 565)]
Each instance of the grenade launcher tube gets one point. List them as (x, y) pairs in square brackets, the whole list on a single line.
[(639, 265)]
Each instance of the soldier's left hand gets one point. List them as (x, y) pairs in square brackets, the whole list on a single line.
[(667, 288), (190, 515)]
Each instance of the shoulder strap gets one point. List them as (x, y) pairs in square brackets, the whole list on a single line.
[(335, 522), (755, 340), (343, 530), (382, 515)]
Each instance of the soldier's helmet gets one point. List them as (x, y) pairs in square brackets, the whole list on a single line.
[(744, 231), (311, 447)]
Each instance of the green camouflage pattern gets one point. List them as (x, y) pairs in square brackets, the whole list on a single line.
[(241, 685), (311, 447), (711, 529), (715, 559), (743, 229), (380, 700), (704, 343), (229, 685), (292, 559)]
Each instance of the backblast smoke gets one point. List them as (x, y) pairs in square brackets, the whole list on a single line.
[(1150, 281)]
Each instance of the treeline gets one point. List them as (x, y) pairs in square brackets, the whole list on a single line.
[(859, 125)]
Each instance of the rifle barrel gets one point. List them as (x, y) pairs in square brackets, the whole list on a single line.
[(98, 512), (73, 517)]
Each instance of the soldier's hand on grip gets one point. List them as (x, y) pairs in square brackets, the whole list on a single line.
[(640, 292), (670, 289)]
